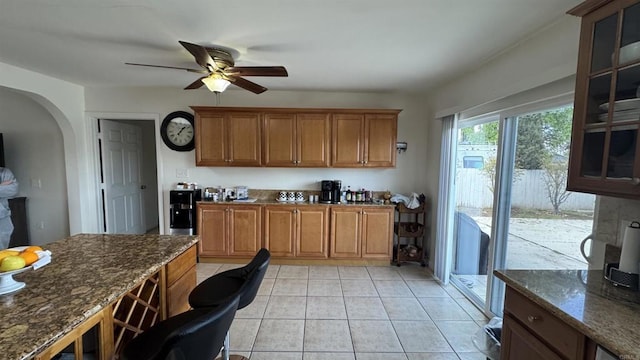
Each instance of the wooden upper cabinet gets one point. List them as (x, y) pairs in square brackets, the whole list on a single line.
[(313, 138), (380, 140), (348, 140), (279, 139), (288, 137), (367, 140), (227, 138), (210, 139), (244, 139), (605, 141), (296, 139)]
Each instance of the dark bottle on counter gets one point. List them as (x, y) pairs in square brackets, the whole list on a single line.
[(349, 194), (358, 195)]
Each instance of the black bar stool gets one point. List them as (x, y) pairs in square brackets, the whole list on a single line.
[(243, 282), (197, 334)]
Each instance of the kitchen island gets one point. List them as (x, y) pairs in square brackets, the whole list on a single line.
[(568, 312), (96, 280)]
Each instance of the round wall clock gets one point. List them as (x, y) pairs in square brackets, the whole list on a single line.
[(177, 131)]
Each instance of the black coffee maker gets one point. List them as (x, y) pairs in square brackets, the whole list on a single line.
[(336, 191), (326, 191)]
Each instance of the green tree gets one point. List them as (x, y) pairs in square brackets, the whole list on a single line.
[(555, 179), (480, 134), (531, 152)]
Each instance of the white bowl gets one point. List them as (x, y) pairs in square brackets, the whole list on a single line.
[(630, 52)]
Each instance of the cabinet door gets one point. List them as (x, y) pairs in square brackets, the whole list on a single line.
[(210, 139), (245, 229), (244, 139), (377, 233), (380, 140), (312, 231), (345, 232), (605, 156), (279, 140), (279, 230), (213, 230), (178, 292), (517, 343), (312, 140), (347, 140)]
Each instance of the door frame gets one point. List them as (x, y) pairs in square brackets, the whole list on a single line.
[(94, 160)]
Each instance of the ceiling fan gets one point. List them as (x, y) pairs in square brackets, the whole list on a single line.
[(218, 65)]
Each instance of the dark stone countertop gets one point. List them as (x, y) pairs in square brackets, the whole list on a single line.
[(87, 272)]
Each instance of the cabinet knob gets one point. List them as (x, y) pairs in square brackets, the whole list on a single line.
[(364, 162), (636, 181), (533, 318)]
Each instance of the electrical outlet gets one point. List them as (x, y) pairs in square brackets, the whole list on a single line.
[(41, 225), (36, 183), (182, 173)]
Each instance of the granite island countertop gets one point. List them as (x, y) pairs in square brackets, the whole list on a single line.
[(87, 272), (608, 315)]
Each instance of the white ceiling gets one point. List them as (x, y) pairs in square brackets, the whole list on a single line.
[(342, 45)]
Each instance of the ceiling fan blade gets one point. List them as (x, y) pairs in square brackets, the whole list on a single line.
[(256, 71), (199, 71), (196, 84), (201, 55), (248, 85)]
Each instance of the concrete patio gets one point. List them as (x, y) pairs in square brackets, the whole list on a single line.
[(536, 244)]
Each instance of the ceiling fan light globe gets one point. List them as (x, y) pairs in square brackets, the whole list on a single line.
[(216, 84)]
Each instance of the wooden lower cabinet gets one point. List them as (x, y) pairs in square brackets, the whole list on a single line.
[(361, 232), (181, 279), (229, 230), (531, 332), (296, 231)]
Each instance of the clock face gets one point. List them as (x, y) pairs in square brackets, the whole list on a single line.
[(180, 131), (177, 131)]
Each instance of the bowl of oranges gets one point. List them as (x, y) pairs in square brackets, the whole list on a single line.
[(19, 259)]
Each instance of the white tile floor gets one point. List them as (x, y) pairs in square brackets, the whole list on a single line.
[(349, 313)]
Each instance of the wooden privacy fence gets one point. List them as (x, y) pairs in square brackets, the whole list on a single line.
[(529, 191)]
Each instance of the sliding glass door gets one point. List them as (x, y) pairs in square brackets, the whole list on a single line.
[(475, 160), (512, 210)]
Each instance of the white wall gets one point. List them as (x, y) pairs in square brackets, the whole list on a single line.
[(65, 102), (35, 154), (409, 175)]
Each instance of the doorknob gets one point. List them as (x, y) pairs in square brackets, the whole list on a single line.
[(142, 187)]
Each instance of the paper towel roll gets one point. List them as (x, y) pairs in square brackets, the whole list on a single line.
[(630, 254)]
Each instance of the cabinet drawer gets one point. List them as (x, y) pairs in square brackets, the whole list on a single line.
[(562, 337), (178, 266)]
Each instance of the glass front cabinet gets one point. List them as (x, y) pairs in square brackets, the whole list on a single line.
[(605, 156)]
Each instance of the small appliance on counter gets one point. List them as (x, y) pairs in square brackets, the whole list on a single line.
[(182, 211), (625, 273), (242, 193), (336, 190), (326, 191)]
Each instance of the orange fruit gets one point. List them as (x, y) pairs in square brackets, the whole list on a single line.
[(29, 257), (33, 248)]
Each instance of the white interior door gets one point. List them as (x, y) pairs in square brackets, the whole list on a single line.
[(123, 196)]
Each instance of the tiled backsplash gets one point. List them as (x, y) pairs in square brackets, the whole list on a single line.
[(612, 216)]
